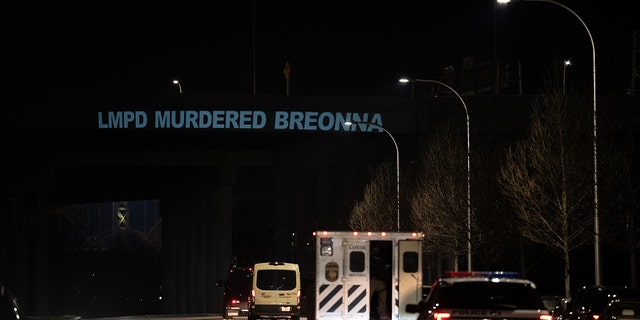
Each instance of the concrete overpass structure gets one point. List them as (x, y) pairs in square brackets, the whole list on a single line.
[(233, 175)]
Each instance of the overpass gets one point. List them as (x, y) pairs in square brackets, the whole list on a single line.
[(233, 175)]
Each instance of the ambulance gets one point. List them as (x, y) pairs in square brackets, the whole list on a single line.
[(344, 275)]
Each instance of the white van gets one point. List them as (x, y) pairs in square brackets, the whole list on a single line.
[(276, 291)]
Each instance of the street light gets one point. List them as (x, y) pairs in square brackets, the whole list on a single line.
[(596, 231), (176, 82), (565, 63), (349, 123), (466, 111)]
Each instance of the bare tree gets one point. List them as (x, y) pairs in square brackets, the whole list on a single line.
[(438, 206), (546, 177), (622, 221), (621, 182), (377, 210)]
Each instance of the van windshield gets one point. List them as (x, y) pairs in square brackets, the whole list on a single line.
[(276, 279)]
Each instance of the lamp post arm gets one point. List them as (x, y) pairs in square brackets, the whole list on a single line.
[(397, 177), (395, 144), (596, 231), (596, 223), (176, 82), (466, 111), (572, 12)]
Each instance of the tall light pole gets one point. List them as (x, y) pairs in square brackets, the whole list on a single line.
[(349, 123), (596, 230), (466, 111), (176, 82), (565, 64)]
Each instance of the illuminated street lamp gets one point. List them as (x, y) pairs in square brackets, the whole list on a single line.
[(349, 123), (466, 111), (176, 82), (565, 63), (596, 231)]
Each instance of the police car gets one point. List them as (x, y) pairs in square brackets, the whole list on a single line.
[(482, 295)]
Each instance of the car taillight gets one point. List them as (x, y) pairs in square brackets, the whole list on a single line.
[(235, 301), (298, 296), (596, 316), (441, 316)]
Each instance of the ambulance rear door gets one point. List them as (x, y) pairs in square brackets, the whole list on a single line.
[(409, 275), (356, 279), (342, 282)]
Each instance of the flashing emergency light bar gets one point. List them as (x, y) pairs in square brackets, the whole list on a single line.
[(488, 274)]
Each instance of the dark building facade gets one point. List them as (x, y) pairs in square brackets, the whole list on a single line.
[(244, 176)]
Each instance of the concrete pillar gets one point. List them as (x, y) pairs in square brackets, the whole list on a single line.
[(42, 277), (219, 234), (197, 244), (285, 190)]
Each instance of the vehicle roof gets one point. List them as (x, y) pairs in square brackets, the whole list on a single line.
[(614, 288), (618, 291), (455, 280), (370, 235), (276, 265)]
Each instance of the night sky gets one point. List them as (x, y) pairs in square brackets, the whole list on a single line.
[(335, 48)]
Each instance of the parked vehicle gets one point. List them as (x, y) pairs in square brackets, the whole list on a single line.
[(9, 307), (553, 303), (237, 290), (597, 302)]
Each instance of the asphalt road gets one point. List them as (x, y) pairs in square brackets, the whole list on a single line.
[(172, 317), (167, 317)]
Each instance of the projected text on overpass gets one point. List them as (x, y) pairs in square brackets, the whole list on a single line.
[(240, 120)]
